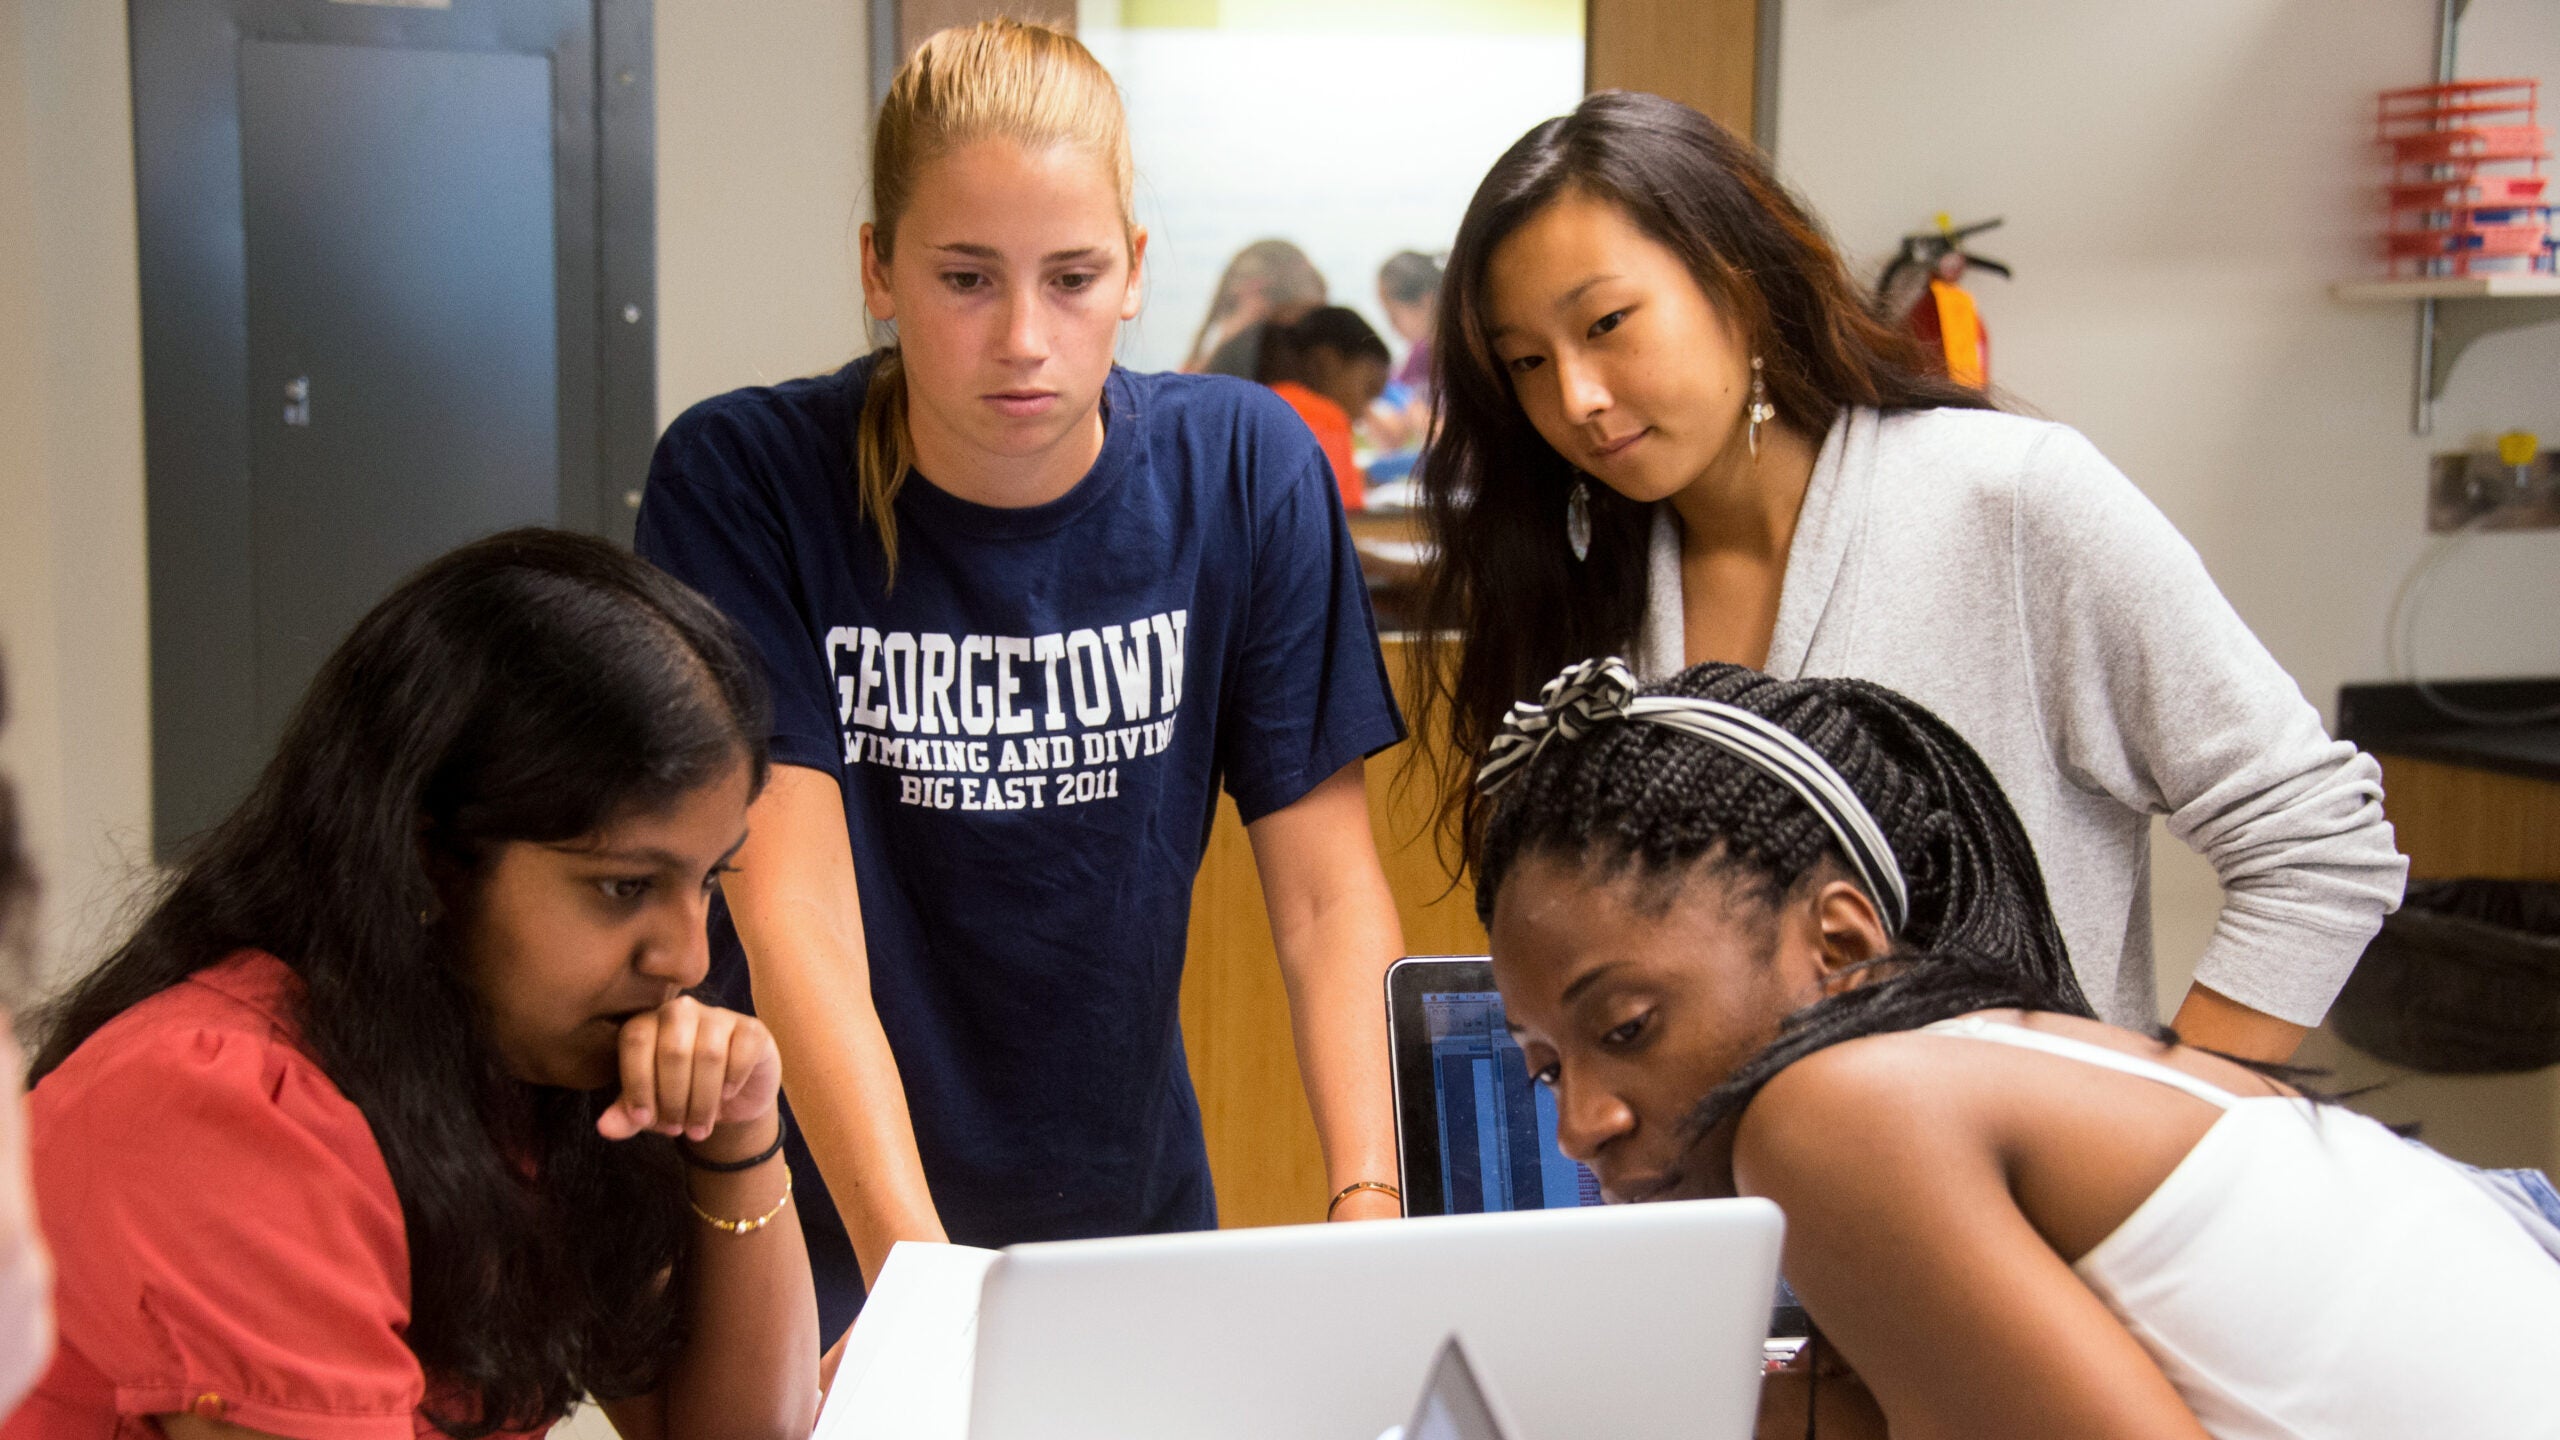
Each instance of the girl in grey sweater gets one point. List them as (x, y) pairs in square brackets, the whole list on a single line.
[(1672, 430)]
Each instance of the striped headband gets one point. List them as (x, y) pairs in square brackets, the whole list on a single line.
[(1593, 692)]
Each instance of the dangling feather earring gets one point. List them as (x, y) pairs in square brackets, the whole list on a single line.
[(1761, 409), (1577, 518)]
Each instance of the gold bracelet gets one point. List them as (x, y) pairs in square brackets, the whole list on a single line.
[(752, 1224), (1355, 1187)]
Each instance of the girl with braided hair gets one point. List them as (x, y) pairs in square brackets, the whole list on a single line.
[(1787, 938), (1670, 429)]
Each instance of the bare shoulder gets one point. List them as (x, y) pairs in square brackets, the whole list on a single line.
[(1862, 1109), (1891, 1069)]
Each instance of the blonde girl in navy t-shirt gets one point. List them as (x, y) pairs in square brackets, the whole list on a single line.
[(1025, 614)]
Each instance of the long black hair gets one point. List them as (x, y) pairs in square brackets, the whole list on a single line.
[(534, 686), (1505, 593), (1640, 798)]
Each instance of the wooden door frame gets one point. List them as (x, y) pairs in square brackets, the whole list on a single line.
[(1719, 56)]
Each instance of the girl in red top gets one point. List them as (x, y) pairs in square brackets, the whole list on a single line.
[(1330, 366), (393, 1116)]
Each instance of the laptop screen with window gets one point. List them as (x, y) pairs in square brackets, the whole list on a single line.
[(1497, 1126)]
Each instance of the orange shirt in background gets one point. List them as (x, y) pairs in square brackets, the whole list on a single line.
[(1333, 431)]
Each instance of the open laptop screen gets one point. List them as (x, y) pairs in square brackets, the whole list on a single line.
[(1497, 1126), (1475, 1132)]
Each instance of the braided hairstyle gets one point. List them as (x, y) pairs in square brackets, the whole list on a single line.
[(1650, 800)]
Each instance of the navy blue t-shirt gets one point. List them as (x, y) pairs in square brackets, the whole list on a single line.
[(1030, 729)]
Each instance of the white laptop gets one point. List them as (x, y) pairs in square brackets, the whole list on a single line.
[(1638, 1323), (1635, 1322)]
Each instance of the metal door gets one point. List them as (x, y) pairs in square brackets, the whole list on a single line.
[(394, 299)]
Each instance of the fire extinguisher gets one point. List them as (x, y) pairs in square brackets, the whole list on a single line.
[(1922, 291)]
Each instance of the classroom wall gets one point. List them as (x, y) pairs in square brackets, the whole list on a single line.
[(2182, 180), (763, 136), (761, 123), (71, 555)]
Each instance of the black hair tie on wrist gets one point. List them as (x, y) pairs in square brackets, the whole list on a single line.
[(781, 1130)]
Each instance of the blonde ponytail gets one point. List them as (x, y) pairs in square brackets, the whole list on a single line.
[(882, 454), (997, 79)]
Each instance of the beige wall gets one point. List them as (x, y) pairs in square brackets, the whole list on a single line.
[(71, 553), (763, 116), (760, 131), (2182, 179)]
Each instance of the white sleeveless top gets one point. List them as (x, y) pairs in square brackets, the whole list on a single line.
[(2304, 1272)]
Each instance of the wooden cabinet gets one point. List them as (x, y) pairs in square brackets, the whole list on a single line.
[(2454, 821), (1707, 54), (1235, 1014)]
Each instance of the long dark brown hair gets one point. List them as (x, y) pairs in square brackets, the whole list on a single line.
[(1506, 605), (533, 686)]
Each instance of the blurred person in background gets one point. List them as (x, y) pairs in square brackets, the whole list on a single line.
[(1409, 292), (1268, 282), (1330, 366)]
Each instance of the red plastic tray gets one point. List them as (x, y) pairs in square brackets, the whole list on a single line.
[(2475, 190), (2474, 143)]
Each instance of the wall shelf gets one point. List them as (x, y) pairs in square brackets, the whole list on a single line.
[(2448, 287), (2453, 311)]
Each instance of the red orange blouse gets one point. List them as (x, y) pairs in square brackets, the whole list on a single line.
[(225, 1233)]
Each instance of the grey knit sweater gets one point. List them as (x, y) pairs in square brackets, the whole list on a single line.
[(2001, 572)]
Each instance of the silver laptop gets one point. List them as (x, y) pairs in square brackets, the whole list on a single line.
[(1636, 1322)]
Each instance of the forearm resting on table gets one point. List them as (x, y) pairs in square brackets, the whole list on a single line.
[(1334, 923), (2211, 1020), (799, 917)]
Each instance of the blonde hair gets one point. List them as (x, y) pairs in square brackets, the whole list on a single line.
[(997, 79)]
